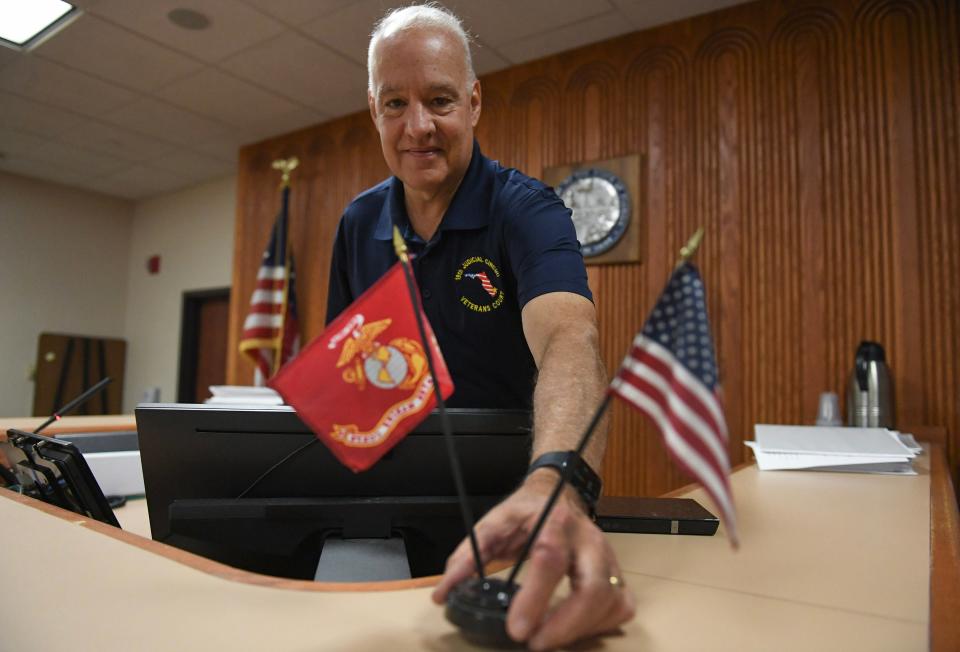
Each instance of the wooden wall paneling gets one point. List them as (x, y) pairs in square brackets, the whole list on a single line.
[(805, 119), (817, 141), (726, 141), (313, 199), (657, 110), (535, 105), (494, 140)]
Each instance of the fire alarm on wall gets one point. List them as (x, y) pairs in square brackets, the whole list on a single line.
[(153, 264)]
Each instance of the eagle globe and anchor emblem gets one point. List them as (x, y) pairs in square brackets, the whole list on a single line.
[(400, 364)]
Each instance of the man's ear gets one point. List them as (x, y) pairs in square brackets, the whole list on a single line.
[(371, 102), (475, 103)]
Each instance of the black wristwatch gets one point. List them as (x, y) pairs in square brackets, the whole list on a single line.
[(582, 478)]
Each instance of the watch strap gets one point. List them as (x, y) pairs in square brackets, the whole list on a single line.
[(582, 478)]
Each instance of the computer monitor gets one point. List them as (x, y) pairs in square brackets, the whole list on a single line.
[(198, 459)]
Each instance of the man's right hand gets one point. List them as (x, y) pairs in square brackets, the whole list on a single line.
[(569, 544)]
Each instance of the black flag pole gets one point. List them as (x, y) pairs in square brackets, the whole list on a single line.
[(401, 248), (285, 167), (565, 475)]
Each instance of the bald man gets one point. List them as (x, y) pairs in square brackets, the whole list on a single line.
[(505, 288)]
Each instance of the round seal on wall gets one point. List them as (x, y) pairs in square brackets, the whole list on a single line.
[(601, 208)]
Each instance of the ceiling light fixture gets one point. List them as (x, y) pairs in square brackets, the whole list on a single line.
[(188, 19), (23, 21)]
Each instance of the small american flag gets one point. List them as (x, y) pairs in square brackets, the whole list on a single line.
[(670, 374), (271, 332)]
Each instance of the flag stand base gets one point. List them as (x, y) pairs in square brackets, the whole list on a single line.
[(479, 608)]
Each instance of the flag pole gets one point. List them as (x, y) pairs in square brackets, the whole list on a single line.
[(285, 166), (401, 248), (687, 250), (565, 474)]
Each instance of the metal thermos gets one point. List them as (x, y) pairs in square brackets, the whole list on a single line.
[(870, 390)]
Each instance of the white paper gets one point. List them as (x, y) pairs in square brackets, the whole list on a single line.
[(868, 442), (844, 450), (776, 461), (243, 395)]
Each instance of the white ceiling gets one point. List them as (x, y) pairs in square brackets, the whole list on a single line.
[(124, 102)]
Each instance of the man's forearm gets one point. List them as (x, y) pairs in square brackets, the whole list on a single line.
[(570, 385)]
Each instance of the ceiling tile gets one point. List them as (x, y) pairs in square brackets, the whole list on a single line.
[(82, 161), (115, 141), (587, 31), (222, 96), (297, 12), (94, 46), (347, 30), (197, 167), (502, 21), (233, 26), (165, 122), (225, 147), (649, 13), (139, 182), (294, 66), (7, 56), (284, 124), (52, 83), (485, 59), (40, 170), (26, 115), (14, 142)]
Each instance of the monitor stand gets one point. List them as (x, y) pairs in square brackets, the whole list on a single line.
[(363, 560)]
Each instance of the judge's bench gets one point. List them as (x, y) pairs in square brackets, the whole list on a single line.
[(828, 561)]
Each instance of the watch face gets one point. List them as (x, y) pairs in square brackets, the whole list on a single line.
[(600, 206)]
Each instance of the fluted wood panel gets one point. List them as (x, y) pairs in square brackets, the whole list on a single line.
[(817, 143)]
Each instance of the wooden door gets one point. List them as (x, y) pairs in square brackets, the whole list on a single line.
[(203, 343)]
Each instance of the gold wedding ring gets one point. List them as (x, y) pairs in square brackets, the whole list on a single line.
[(615, 582)]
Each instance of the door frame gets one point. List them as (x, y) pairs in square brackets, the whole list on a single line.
[(189, 336)]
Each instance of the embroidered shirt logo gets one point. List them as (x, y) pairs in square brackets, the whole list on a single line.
[(477, 281)]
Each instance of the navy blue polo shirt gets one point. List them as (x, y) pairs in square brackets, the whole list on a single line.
[(505, 239)]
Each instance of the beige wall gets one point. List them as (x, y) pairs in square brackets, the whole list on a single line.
[(73, 261), (192, 231), (63, 268)]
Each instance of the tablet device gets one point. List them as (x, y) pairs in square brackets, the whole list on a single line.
[(655, 516), (55, 472)]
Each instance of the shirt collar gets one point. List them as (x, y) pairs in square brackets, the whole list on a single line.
[(466, 210)]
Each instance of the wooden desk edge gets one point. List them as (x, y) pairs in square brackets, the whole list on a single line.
[(212, 567), (222, 570), (944, 556)]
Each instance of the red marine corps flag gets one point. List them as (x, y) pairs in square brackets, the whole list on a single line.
[(363, 383)]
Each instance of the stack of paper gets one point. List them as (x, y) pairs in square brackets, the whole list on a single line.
[(241, 395), (818, 448)]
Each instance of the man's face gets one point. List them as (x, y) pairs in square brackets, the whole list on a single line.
[(424, 108)]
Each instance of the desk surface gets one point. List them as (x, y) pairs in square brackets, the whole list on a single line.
[(828, 561)]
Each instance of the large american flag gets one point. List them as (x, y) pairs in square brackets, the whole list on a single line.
[(670, 374), (271, 332)]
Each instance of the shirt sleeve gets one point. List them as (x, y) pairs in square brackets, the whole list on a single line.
[(542, 246), (339, 295)]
